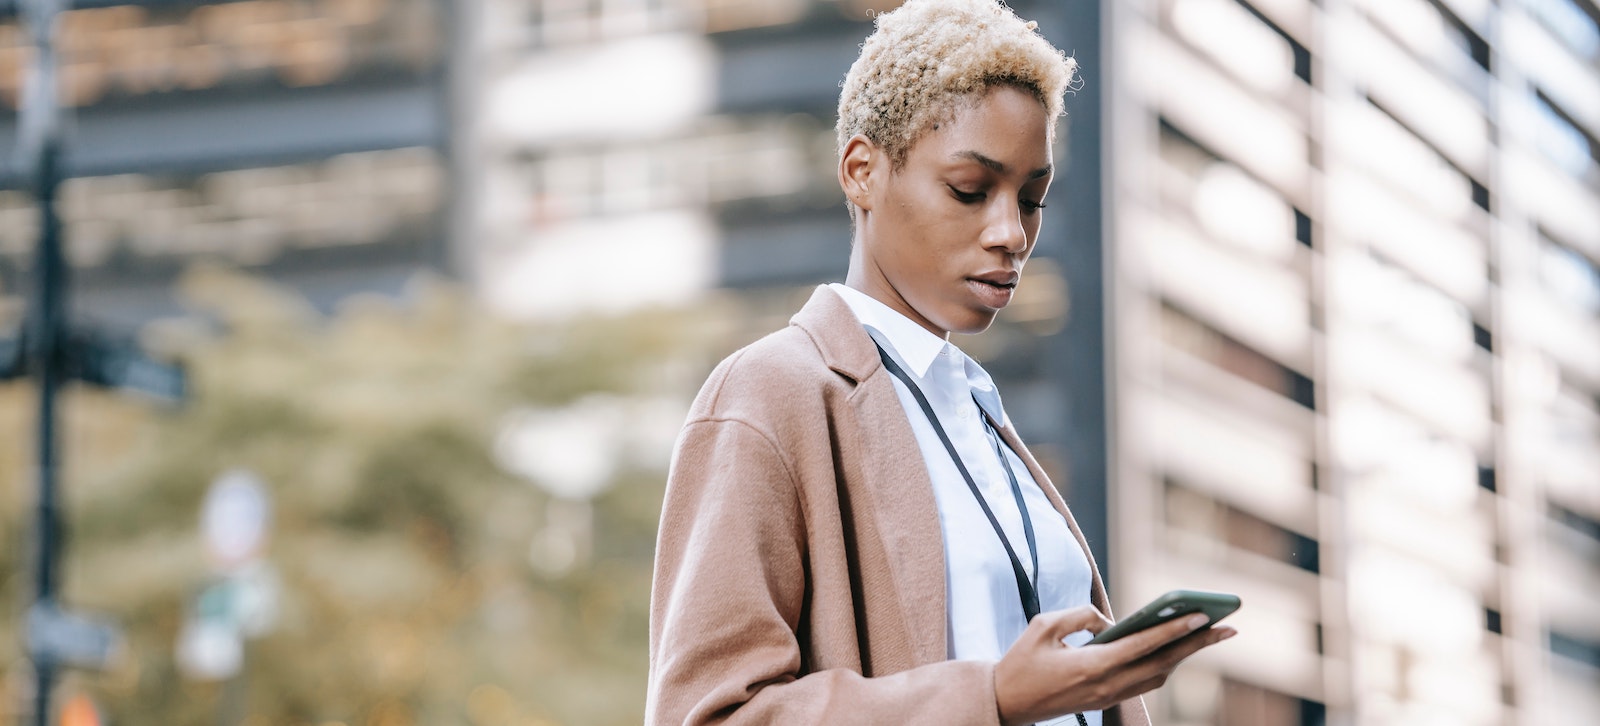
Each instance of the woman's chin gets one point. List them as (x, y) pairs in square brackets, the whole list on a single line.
[(972, 322)]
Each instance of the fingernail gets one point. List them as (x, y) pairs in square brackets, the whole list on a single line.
[(1227, 633), (1196, 621)]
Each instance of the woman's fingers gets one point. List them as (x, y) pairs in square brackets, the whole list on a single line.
[(1058, 624), (1150, 640), (1163, 660), (1146, 673), (1188, 645), (1037, 678)]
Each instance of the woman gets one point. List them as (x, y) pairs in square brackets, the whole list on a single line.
[(852, 531)]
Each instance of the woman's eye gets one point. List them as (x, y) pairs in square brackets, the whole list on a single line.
[(1031, 205), (967, 197)]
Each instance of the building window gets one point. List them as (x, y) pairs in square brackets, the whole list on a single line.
[(773, 159), (1564, 141), (1245, 703), (1184, 332), (131, 51), (1198, 514), (244, 216), (1575, 24), (1570, 276)]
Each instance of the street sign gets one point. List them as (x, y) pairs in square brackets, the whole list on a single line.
[(235, 519), (256, 594), (121, 364), (13, 364), (209, 648), (57, 636)]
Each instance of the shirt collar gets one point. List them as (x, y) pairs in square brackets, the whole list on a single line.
[(917, 348), (984, 391)]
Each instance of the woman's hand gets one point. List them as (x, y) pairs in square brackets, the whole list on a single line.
[(1041, 678)]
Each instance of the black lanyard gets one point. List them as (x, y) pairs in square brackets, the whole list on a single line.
[(1027, 590)]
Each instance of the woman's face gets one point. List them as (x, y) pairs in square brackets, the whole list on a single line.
[(943, 238)]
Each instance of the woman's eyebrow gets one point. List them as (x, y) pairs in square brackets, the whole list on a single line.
[(997, 166)]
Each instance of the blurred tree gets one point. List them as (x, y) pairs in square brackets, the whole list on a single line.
[(428, 578)]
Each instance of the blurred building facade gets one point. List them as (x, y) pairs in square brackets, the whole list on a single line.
[(1354, 272), (306, 141), (1317, 322)]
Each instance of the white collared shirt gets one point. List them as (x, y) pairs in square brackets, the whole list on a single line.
[(984, 611)]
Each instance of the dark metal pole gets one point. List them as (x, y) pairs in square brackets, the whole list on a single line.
[(49, 328), (41, 152)]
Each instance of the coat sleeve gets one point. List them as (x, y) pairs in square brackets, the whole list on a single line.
[(728, 597)]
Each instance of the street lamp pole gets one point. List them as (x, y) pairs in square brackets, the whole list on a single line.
[(54, 352), (40, 136)]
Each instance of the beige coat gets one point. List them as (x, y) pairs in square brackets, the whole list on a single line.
[(800, 573)]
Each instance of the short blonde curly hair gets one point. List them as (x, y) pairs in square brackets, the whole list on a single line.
[(928, 54)]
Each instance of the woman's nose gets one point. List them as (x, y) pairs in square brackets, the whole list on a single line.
[(1004, 230)]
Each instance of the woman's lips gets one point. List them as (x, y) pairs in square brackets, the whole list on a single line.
[(991, 294)]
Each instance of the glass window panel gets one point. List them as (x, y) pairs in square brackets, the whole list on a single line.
[(1574, 25), (1570, 276)]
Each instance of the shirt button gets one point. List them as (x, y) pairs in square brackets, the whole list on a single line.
[(964, 411)]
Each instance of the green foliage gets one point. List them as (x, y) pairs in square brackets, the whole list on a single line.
[(412, 593)]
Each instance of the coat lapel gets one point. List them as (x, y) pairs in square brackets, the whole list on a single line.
[(894, 475)]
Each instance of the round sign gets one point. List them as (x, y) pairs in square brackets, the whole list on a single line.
[(234, 518)]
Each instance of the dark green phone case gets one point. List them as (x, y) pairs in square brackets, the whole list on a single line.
[(1175, 604)]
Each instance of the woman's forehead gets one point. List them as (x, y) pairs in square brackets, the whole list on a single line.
[(1004, 131)]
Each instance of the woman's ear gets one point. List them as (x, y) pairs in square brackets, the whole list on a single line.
[(856, 165)]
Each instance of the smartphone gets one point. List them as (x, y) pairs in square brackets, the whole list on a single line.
[(1175, 604)]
